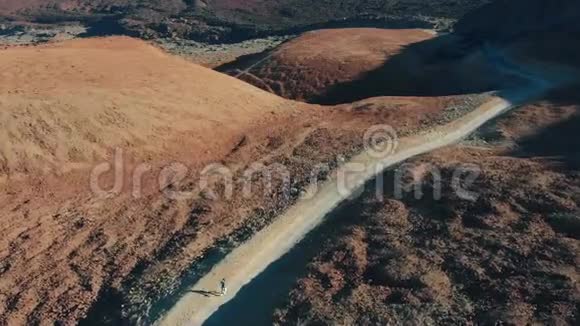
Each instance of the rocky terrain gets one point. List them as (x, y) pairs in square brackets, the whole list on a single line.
[(344, 65), (26, 35), (63, 239), (207, 54), (215, 55), (508, 255), (307, 67), (120, 109), (132, 116), (232, 20)]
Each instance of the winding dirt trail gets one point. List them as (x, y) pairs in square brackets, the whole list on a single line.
[(246, 262)]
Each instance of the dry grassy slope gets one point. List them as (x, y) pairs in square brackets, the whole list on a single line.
[(69, 104), (346, 65), (308, 66), (64, 107)]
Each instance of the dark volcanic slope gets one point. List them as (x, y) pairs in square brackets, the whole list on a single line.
[(506, 19), (293, 12), (541, 29), (223, 20)]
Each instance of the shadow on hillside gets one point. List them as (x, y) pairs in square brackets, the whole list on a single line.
[(106, 26), (559, 142), (257, 301), (445, 65), (242, 62)]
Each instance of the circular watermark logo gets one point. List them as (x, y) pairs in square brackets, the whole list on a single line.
[(381, 141)]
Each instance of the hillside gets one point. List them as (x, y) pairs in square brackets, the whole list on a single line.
[(509, 19), (103, 143), (349, 64), (507, 255), (52, 124), (307, 67), (124, 170), (540, 30), (69, 109)]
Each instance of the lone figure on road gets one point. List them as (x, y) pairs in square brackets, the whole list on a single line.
[(223, 288)]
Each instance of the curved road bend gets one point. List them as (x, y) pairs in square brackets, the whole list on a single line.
[(247, 261)]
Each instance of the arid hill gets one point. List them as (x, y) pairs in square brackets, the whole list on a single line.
[(125, 111), (305, 68), (81, 99), (345, 65), (507, 255), (66, 108), (146, 124)]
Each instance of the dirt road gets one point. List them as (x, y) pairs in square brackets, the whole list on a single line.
[(250, 259)]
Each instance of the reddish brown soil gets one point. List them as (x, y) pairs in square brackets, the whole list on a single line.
[(66, 107), (84, 77), (346, 65), (306, 67), (511, 256)]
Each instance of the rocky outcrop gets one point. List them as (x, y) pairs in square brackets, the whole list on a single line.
[(234, 20)]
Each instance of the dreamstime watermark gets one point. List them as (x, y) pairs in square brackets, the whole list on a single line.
[(217, 181), (380, 141)]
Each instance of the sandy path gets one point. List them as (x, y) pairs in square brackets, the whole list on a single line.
[(268, 245), (250, 259)]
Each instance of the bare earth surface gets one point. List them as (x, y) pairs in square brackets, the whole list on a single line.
[(509, 256), (91, 100), (308, 66), (65, 108), (215, 55), (247, 261), (344, 65), (69, 107), (326, 296), (72, 252)]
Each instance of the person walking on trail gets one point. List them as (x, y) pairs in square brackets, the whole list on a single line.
[(223, 288)]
